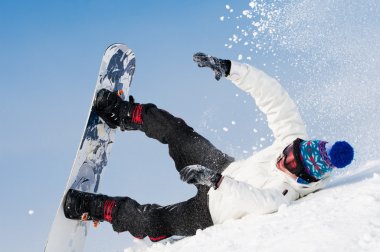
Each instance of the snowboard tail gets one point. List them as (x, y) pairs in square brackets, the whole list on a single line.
[(115, 74)]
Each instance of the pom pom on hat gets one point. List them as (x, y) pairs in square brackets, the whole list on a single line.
[(341, 154)]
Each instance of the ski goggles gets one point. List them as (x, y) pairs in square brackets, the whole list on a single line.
[(293, 162)]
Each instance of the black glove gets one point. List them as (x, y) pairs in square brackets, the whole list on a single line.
[(220, 67), (107, 105), (200, 175)]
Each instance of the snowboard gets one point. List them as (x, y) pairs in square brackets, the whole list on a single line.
[(115, 74)]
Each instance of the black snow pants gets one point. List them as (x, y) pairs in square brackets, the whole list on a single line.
[(186, 147)]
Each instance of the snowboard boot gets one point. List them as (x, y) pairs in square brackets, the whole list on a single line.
[(116, 112), (88, 206)]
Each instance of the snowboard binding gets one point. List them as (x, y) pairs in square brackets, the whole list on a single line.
[(116, 112), (88, 206)]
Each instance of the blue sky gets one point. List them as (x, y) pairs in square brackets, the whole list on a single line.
[(50, 56)]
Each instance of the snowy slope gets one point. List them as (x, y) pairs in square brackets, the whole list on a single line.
[(343, 217)]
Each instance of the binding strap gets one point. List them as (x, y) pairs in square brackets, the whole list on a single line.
[(107, 210)]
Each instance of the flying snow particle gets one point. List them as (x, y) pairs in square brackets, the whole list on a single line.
[(240, 57), (228, 7), (225, 129), (247, 13), (256, 24), (252, 4), (255, 130), (235, 38), (221, 18), (233, 123), (31, 212)]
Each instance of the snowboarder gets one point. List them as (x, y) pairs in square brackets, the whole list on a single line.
[(226, 189)]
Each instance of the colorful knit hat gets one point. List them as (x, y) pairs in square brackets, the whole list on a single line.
[(319, 158)]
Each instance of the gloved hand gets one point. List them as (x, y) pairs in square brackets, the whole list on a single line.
[(220, 67), (200, 175), (107, 105)]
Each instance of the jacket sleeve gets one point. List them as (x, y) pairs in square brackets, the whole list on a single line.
[(282, 113), (244, 199)]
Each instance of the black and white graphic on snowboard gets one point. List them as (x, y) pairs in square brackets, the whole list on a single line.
[(115, 74)]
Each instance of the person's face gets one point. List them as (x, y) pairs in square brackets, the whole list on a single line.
[(286, 162)]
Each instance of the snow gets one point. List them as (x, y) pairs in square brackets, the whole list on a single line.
[(345, 216)]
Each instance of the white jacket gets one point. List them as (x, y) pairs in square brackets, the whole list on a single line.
[(255, 185)]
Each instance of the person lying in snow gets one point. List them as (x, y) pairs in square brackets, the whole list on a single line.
[(226, 189)]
